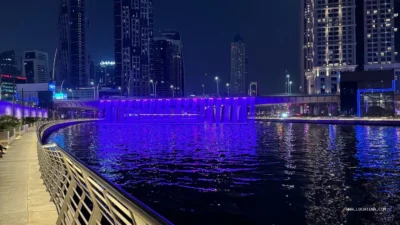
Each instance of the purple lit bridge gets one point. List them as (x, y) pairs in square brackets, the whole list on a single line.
[(188, 109), (223, 109)]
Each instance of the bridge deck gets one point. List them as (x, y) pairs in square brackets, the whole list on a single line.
[(23, 196)]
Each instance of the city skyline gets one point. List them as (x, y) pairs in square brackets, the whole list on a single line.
[(207, 38)]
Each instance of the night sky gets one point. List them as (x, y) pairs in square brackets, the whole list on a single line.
[(270, 29)]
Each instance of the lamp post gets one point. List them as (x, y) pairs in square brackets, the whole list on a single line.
[(173, 92), (290, 87), (94, 89), (288, 81), (62, 83), (120, 91), (286, 87), (72, 93), (154, 87), (227, 86), (203, 90), (217, 80)]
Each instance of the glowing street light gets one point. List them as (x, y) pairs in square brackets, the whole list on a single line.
[(72, 93), (228, 87), (120, 91), (217, 80), (173, 92), (154, 87), (290, 87), (288, 82)]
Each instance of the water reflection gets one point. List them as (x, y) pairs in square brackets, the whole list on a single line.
[(248, 174)]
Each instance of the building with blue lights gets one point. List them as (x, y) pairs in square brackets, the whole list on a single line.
[(369, 93)]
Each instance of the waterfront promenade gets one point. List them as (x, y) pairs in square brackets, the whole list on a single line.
[(334, 120), (23, 196)]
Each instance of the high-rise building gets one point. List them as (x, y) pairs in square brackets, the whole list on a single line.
[(168, 64), (72, 56), (238, 66), (347, 35), (133, 32), (329, 47), (36, 67), (8, 63), (105, 74), (380, 29)]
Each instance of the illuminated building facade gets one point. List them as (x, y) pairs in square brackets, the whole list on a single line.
[(133, 32), (380, 34), (344, 36), (238, 67), (329, 47), (72, 60)]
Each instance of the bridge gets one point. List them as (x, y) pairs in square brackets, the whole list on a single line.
[(215, 109)]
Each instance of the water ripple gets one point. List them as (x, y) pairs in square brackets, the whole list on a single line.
[(248, 174)]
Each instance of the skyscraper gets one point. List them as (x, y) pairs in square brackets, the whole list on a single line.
[(36, 67), (346, 35), (329, 43), (168, 64), (72, 56), (133, 32), (380, 29), (238, 66)]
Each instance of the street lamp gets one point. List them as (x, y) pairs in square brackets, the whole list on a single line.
[(120, 91), (62, 86), (290, 87), (94, 89), (173, 92), (72, 93), (288, 81), (217, 80), (203, 90), (154, 87), (227, 86)]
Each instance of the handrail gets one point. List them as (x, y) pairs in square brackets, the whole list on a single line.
[(81, 195)]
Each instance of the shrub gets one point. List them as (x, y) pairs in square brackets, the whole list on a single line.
[(30, 120), (7, 122)]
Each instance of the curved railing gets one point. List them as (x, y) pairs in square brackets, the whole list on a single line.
[(81, 195)]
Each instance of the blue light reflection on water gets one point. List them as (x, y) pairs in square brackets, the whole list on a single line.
[(248, 174)]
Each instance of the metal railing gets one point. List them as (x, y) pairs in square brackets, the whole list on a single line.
[(83, 196)]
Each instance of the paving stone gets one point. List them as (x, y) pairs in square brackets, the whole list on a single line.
[(23, 196)]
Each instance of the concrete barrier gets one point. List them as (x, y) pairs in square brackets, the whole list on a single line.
[(8, 136)]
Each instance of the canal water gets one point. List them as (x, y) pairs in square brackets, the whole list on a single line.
[(250, 174)]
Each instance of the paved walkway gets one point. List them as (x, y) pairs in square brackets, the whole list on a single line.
[(23, 196)]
